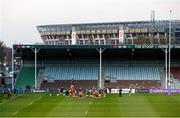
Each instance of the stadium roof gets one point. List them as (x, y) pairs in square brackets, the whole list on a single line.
[(90, 51), (125, 46), (54, 27)]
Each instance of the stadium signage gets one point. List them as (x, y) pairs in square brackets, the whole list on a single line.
[(162, 46), (142, 90), (97, 46), (123, 90), (164, 90), (145, 46), (177, 46)]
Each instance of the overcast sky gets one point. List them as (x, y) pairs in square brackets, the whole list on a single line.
[(19, 18)]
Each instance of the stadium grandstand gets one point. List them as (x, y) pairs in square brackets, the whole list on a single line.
[(114, 33), (117, 54)]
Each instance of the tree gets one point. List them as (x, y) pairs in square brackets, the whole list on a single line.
[(2, 54), (8, 56)]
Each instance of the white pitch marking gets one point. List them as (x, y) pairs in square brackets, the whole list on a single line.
[(15, 113), (86, 112), (30, 103)]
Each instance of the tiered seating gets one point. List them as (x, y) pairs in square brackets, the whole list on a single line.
[(87, 75), (137, 84), (90, 72), (85, 84), (132, 73), (175, 85), (26, 77), (69, 72), (176, 72)]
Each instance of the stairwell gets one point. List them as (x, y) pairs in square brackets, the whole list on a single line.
[(162, 77), (40, 78)]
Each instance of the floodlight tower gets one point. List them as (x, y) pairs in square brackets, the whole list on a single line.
[(169, 84), (152, 26)]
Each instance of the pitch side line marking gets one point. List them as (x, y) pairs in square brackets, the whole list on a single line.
[(30, 103), (86, 112), (15, 113)]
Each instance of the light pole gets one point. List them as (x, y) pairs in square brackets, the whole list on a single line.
[(169, 78)]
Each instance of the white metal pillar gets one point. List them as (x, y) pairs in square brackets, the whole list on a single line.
[(98, 37), (166, 51), (103, 37), (35, 67), (115, 39), (132, 40), (74, 36), (165, 35), (166, 67), (12, 67), (68, 40), (158, 38), (169, 84), (84, 42), (54, 40), (100, 67), (94, 40)]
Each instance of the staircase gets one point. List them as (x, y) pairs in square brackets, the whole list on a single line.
[(162, 76)]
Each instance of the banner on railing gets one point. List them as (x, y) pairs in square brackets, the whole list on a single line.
[(123, 90), (164, 90)]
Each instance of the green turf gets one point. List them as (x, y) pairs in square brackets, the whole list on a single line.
[(43, 105)]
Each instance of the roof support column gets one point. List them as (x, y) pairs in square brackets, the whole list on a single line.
[(115, 39), (73, 36), (158, 38), (169, 81), (35, 66), (166, 67), (84, 41), (166, 51), (101, 85), (104, 39), (99, 39), (121, 34)]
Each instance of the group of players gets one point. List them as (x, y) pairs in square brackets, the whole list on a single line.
[(72, 91), (9, 92), (90, 93)]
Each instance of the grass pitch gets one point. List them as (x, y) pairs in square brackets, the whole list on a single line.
[(136, 105)]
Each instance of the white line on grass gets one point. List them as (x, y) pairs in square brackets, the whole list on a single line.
[(30, 103), (3, 102), (86, 112), (15, 113)]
